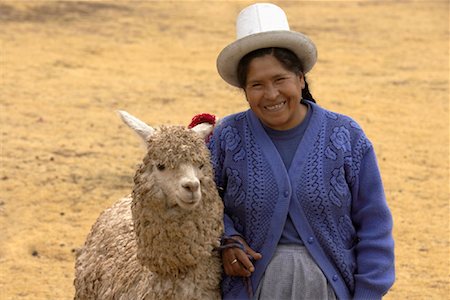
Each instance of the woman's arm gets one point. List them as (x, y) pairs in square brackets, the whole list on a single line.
[(375, 272), (237, 256)]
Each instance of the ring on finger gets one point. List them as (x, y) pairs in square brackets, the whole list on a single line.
[(234, 261)]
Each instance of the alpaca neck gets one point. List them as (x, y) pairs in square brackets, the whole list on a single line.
[(170, 245)]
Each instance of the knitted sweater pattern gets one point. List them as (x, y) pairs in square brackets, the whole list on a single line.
[(323, 184)]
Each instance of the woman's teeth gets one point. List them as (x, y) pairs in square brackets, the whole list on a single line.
[(276, 106)]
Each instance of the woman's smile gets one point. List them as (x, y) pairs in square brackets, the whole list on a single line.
[(275, 107)]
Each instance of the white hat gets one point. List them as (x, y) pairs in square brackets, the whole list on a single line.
[(263, 25)]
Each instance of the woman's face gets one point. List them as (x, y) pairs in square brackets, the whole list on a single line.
[(274, 93)]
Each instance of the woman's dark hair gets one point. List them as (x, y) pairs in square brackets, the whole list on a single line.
[(286, 57)]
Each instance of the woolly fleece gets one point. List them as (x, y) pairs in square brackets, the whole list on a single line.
[(141, 248)]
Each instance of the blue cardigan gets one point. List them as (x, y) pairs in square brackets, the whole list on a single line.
[(332, 189)]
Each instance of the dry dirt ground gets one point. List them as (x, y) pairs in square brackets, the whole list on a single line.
[(65, 156)]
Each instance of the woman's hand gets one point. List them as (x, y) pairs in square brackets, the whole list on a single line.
[(237, 262)]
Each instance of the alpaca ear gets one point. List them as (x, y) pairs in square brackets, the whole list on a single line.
[(142, 129), (203, 129)]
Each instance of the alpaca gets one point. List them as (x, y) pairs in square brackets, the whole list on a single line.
[(158, 242)]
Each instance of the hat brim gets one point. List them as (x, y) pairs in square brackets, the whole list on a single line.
[(300, 44)]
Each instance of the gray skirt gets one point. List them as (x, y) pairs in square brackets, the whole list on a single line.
[(293, 274)]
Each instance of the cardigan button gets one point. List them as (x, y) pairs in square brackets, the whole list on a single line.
[(310, 240), (335, 277), (286, 194)]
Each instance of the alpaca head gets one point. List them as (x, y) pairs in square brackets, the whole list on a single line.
[(175, 164), (175, 201)]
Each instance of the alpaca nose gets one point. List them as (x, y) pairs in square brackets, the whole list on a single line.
[(191, 186)]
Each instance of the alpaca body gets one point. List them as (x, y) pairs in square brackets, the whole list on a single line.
[(158, 243), (109, 258)]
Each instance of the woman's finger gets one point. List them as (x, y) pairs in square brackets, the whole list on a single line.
[(237, 262), (246, 265), (255, 255), (230, 261)]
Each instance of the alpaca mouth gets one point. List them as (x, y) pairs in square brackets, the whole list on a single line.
[(189, 201)]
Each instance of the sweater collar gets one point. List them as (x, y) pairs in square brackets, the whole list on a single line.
[(306, 145)]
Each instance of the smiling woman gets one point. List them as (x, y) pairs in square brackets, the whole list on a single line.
[(298, 224)]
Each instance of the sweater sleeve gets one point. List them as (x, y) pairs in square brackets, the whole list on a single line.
[(375, 272), (217, 160), (372, 218)]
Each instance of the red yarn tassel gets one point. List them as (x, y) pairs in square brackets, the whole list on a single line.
[(202, 118)]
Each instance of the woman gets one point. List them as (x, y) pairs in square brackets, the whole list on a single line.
[(305, 212)]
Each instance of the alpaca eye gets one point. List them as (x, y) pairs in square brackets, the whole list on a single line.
[(160, 167), (201, 166)]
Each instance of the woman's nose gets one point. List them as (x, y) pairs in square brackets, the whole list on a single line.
[(271, 92)]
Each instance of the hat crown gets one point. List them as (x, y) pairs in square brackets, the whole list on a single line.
[(263, 25), (260, 17)]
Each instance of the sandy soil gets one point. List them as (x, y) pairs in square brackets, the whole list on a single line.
[(65, 156)]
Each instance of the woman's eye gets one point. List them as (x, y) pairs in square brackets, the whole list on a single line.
[(255, 85), (160, 167)]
